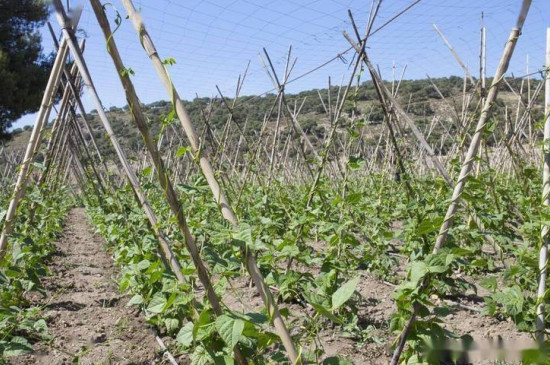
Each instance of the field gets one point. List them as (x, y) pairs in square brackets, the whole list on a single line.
[(373, 222)]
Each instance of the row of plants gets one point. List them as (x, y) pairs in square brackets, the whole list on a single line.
[(31, 249), (314, 254)]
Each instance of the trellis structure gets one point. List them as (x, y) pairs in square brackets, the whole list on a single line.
[(69, 151)]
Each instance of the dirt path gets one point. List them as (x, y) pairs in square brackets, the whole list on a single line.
[(86, 313)]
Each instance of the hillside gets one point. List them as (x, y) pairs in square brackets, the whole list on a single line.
[(422, 99)]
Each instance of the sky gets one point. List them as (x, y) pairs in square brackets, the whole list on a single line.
[(213, 41)]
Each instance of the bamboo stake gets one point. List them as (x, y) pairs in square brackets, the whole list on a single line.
[(66, 164), (206, 168), (394, 108), (281, 88), (149, 47), (57, 127), (79, 171), (59, 163), (80, 136), (455, 55), (482, 89), (162, 174), (468, 162), (34, 141), (328, 143), (528, 94), (52, 152), (543, 255), (453, 106), (74, 90), (74, 148), (68, 36), (483, 58), (60, 152), (60, 146), (51, 148)]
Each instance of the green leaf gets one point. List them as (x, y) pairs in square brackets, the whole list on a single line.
[(342, 295), (169, 61), (185, 335), (511, 299), (227, 360), (147, 171), (157, 303), (39, 166), (428, 226), (17, 346), (127, 72), (354, 198), (203, 327), (136, 300), (334, 360), (489, 283), (244, 235), (171, 324), (355, 163), (230, 329), (442, 311), (327, 313), (201, 356), (257, 318), (182, 150), (143, 265), (418, 270), (40, 325), (534, 356), (414, 360), (436, 263)]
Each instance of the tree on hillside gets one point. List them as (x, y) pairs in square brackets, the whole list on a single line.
[(24, 68)]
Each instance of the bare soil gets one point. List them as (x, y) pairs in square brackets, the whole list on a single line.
[(89, 321), (85, 312), (465, 318), (374, 312)]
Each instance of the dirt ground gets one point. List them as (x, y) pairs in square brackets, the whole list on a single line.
[(90, 323), (374, 312), (86, 314)]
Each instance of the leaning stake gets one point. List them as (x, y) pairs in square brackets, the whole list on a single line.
[(34, 141), (208, 172), (543, 256), (68, 37), (469, 159), (164, 180)]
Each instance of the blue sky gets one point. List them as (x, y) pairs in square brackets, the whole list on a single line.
[(212, 41)]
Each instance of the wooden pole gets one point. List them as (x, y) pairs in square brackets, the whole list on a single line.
[(476, 139), (208, 172), (74, 147), (80, 137), (455, 55), (468, 161), (543, 255), (57, 130), (74, 90), (34, 141), (162, 174), (68, 37), (483, 59)]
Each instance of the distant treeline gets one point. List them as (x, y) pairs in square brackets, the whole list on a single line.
[(418, 97)]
